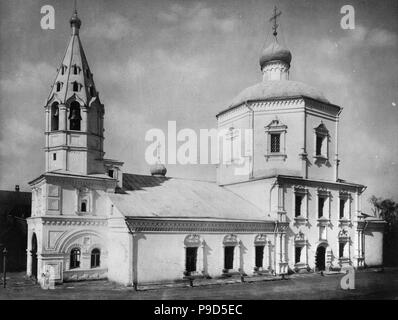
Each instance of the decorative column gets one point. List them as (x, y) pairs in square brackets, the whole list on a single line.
[(270, 262), (283, 263), (28, 262), (48, 119), (266, 263), (84, 119), (277, 246), (62, 118), (281, 203)]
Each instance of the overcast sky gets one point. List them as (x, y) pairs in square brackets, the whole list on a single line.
[(155, 61)]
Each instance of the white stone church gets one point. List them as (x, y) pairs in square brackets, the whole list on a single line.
[(291, 212)]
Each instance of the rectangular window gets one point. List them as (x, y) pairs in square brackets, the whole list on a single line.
[(110, 173), (298, 202), (321, 204), (342, 207), (275, 143), (54, 156), (319, 141), (259, 256), (297, 257), (229, 257), (341, 249)]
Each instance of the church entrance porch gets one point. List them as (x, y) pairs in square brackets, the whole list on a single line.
[(320, 258)]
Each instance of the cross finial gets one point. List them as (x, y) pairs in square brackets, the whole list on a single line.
[(275, 15)]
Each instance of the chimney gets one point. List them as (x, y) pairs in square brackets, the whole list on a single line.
[(17, 187)]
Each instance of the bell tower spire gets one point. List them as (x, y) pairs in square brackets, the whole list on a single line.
[(74, 113)]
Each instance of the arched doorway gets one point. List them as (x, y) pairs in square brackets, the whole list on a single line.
[(320, 258), (34, 256)]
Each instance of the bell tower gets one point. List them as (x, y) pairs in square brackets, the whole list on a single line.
[(74, 114)]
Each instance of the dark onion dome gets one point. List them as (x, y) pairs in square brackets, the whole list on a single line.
[(275, 52), (278, 90), (158, 169), (75, 21)]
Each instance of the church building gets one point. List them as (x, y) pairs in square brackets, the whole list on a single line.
[(290, 212)]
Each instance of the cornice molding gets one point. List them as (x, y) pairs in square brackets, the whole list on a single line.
[(142, 225)]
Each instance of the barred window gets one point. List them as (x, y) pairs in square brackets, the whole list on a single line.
[(275, 142)]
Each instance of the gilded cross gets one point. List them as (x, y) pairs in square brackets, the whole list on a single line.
[(273, 19)]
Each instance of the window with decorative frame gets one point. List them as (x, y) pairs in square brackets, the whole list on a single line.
[(300, 256), (321, 142), (192, 244), (230, 244), (260, 243), (233, 145), (300, 196), (84, 196), (344, 245), (276, 140), (344, 205), (323, 204)]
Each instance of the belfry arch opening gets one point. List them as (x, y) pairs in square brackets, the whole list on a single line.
[(74, 116), (54, 116)]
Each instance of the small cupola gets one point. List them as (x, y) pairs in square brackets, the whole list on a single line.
[(275, 58), (75, 23)]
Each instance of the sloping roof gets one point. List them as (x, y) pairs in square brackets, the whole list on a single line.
[(163, 197), (279, 89)]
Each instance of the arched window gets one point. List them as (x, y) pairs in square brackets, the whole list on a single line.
[(54, 116), (63, 69), (321, 142), (75, 86), (76, 69), (95, 258), (75, 258), (59, 86), (74, 116), (83, 207)]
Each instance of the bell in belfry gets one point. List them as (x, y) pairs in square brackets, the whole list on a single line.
[(56, 112), (75, 114)]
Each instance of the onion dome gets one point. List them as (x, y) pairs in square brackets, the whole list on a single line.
[(158, 169), (275, 52)]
